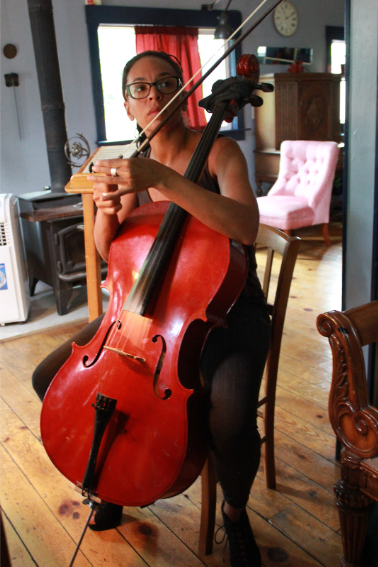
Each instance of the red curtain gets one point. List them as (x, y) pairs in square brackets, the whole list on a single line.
[(182, 43)]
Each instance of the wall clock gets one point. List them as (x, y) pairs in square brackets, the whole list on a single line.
[(285, 18)]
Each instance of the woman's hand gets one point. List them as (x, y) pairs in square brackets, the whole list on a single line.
[(133, 175), (113, 203), (101, 191)]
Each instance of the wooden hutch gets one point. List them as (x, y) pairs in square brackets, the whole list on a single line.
[(304, 106)]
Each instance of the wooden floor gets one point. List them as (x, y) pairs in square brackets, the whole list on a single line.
[(296, 526)]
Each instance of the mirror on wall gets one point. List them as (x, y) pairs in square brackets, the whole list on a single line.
[(282, 55)]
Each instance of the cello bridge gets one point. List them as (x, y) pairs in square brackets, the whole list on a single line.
[(126, 354)]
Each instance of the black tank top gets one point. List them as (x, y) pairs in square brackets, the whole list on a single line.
[(252, 289)]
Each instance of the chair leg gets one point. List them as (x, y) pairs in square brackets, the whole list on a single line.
[(209, 499), (269, 463), (325, 232), (268, 416), (354, 509)]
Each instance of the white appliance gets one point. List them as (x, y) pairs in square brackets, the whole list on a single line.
[(14, 289)]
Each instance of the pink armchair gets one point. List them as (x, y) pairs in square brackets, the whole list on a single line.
[(302, 193)]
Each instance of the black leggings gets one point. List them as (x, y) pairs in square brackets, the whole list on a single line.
[(232, 366)]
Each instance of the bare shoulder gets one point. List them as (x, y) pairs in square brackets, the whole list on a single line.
[(225, 144), (225, 150)]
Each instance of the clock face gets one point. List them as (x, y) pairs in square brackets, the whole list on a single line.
[(285, 18)]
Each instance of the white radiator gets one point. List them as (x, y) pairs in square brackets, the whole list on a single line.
[(14, 289)]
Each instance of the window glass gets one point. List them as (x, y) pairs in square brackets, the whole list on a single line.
[(338, 50), (116, 46), (208, 47), (337, 56)]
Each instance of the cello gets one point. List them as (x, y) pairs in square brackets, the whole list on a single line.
[(146, 437)]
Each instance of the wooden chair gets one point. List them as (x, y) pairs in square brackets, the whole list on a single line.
[(275, 242), (354, 422)]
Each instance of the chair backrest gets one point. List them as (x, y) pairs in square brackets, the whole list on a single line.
[(273, 242), (277, 242), (307, 169)]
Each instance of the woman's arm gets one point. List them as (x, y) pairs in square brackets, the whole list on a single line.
[(235, 212), (110, 215)]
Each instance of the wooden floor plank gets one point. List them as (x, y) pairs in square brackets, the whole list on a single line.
[(274, 545), (321, 443), (314, 393), (298, 489), (155, 541), (19, 365), (300, 370), (47, 541), (34, 350), (307, 409), (311, 534), (19, 556), (305, 461), (20, 399), (279, 550)]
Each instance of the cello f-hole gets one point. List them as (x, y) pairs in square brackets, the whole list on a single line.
[(86, 357), (159, 366)]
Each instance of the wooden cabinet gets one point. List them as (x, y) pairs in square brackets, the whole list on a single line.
[(304, 106)]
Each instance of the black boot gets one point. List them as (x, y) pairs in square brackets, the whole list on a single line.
[(107, 517), (243, 547)]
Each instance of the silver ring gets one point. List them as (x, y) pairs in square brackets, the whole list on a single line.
[(113, 172)]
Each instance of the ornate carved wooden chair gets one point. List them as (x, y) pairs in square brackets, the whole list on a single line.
[(354, 421), (274, 242)]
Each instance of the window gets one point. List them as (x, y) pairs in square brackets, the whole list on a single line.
[(112, 43), (338, 48), (336, 52), (209, 47)]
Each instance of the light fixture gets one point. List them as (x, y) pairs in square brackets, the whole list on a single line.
[(223, 29)]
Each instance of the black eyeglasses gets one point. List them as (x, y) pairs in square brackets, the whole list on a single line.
[(166, 85)]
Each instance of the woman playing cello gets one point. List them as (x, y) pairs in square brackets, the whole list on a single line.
[(233, 359)]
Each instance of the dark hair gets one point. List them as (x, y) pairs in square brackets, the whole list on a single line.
[(171, 59)]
